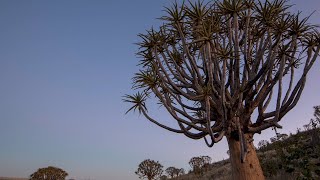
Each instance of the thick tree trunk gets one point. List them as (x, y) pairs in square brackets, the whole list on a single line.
[(250, 169)]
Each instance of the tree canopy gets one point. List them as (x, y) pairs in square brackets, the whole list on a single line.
[(209, 63), (174, 172), (49, 173), (149, 169), (197, 163)]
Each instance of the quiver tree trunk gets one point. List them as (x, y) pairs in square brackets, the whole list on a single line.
[(250, 168)]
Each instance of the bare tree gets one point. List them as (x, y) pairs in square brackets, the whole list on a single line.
[(149, 169), (49, 173), (211, 66)]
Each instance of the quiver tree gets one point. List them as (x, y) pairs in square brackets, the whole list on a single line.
[(211, 66), (199, 163), (171, 171), (174, 172), (195, 164), (49, 173), (149, 169)]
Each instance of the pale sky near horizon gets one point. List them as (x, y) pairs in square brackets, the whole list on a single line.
[(64, 67)]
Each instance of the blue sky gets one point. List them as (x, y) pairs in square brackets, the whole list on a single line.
[(64, 67)]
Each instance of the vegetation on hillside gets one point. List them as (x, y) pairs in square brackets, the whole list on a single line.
[(293, 156), (298, 155)]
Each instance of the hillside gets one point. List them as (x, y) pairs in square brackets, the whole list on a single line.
[(287, 157)]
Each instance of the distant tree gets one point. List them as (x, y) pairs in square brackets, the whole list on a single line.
[(171, 171), (181, 172), (149, 169), (273, 139), (212, 65), (174, 172), (316, 115), (283, 136), (163, 177), (198, 163), (317, 112), (262, 144), (206, 159), (315, 124), (307, 127), (49, 173)]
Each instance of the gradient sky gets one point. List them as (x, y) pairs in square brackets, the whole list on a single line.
[(64, 67)]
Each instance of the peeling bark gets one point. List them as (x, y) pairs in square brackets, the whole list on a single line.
[(250, 169)]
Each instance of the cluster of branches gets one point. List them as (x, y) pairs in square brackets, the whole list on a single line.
[(212, 65), (49, 173)]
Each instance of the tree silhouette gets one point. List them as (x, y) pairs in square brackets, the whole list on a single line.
[(316, 114), (149, 169), (180, 172), (171, 171), (198, 163), (163, 177), (49, 173), (211, 66), (174, 172), (315, 125)]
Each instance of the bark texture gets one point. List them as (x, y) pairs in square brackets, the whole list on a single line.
[(250, 169)]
